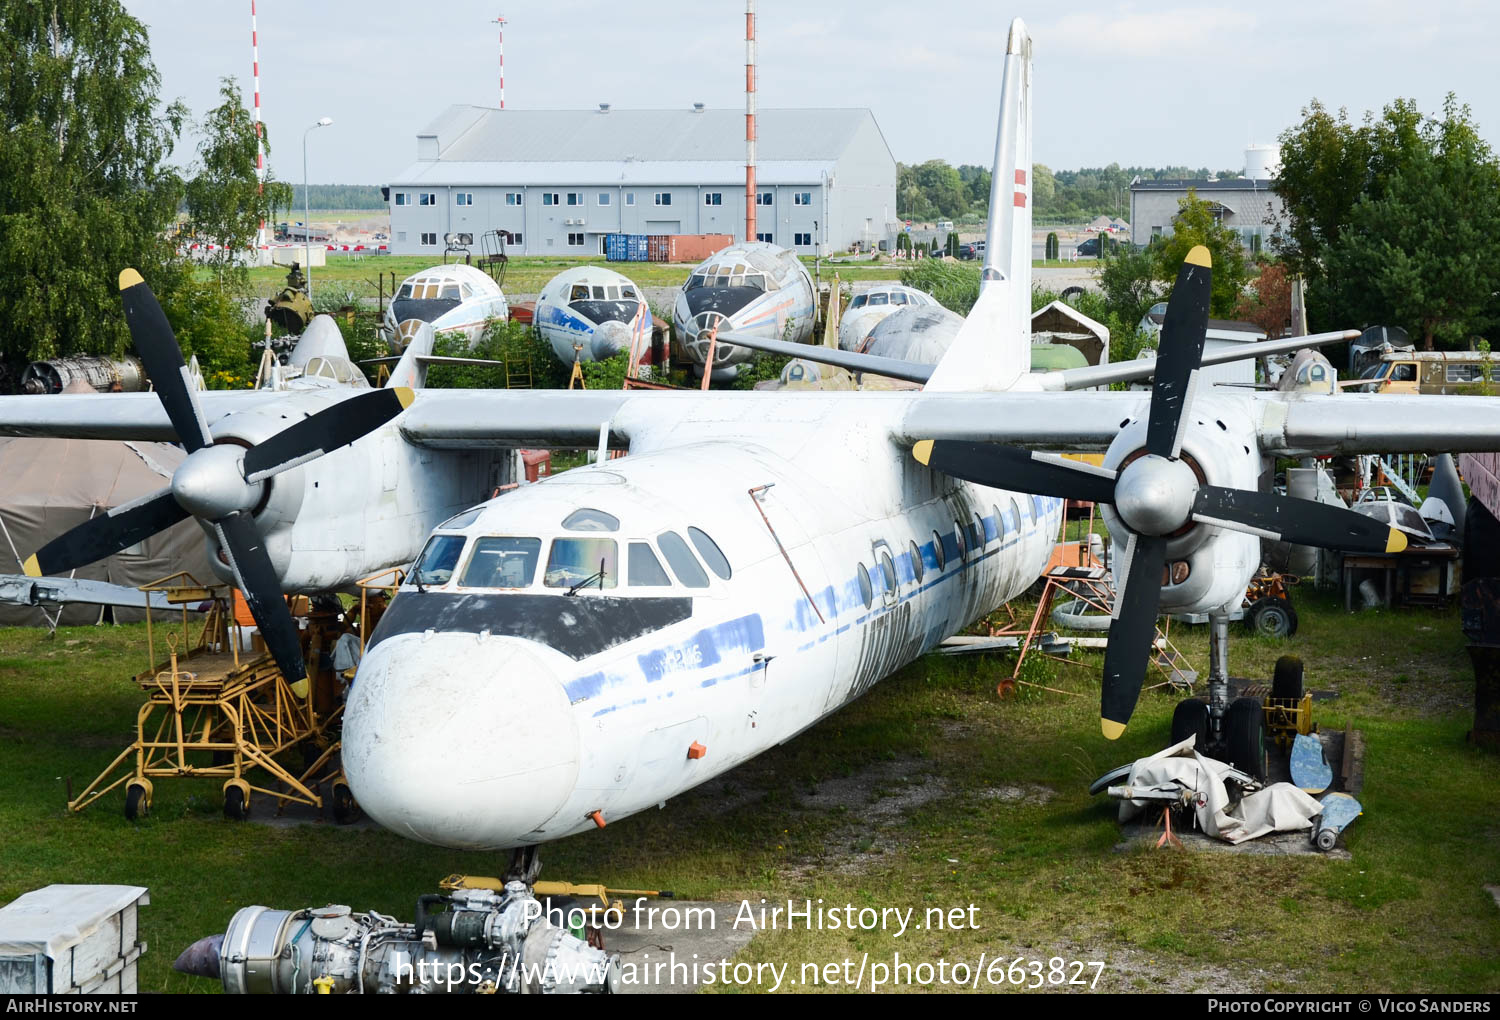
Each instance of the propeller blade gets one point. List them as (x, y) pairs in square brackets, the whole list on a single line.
[(1009, 467), (107, 534), (325, 431), (262, 589), (1298, 521), (1179, 353), (1132, 632), (157, 346)]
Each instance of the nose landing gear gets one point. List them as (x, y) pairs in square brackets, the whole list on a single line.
[(1230, 731)]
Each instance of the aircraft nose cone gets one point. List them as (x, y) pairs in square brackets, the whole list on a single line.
[(459, 741), (211, 484), (610, 338)]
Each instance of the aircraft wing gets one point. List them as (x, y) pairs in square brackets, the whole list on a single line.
[(113, 415)]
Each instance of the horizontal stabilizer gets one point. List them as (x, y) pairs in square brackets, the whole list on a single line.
[(1145, 368), (894, 368)]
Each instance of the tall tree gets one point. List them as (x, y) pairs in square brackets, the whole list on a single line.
[(1196, 224), (84, 186), (226, 203)]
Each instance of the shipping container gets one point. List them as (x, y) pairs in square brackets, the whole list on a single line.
[(625, 247), (686, 247)]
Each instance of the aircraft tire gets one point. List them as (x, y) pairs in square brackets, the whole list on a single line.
[(1245, 736), (1190, 718), (1286, 683)]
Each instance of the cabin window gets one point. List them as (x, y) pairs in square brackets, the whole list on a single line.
[(645, 570), (580, 292), (916, 562), (463, 198), (979, 536), (713, 198), (999, 523), (663, 198), (802, 198), (438, 560), (502, 563), (888, 568), (574, 560), (427, 198), (681, 560), (591, 520), (866, 591), (937, 550), (709, 550), (958, 537), (880, 299), (1015, 514), (860, 300), (1464, 373)]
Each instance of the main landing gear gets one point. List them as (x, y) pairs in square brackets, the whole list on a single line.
[(1230, 731)]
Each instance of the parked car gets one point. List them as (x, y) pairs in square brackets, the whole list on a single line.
[(1090, 246)]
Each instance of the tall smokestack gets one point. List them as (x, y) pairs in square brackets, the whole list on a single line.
[(750, 196), (260, 149)]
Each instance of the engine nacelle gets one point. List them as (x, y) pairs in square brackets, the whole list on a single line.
[(1207, 567)]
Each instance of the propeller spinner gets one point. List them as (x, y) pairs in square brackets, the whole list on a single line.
[(1157, 493), (218, 485)]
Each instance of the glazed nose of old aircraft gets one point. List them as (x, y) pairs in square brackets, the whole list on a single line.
[(461, 740)]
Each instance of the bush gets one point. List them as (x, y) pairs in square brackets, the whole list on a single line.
[(1052, 246), (955, 285)]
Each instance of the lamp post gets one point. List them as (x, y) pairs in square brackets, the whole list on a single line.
[(306, 207)]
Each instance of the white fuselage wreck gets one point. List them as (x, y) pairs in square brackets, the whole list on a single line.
[(495, 709)]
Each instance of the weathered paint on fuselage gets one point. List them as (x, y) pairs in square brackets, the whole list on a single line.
[(435, 745)]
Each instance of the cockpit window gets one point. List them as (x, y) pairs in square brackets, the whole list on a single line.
[(580, 292), (600, 294), (589, 519), (502, 563), (576, 560), (898, 298), (462, 520), (450, 292), (438, 560), (756, 280), (645, 570), (880, 299), (859, 301), (697, 281), (629, 292), (684, 563), (709, 550)]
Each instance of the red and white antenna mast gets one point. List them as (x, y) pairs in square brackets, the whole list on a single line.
[(750, 195), (501, 22), (260, 148)]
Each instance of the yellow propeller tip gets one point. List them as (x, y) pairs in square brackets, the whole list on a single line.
[(129, 278), (406, 395), (1395, 541), (1199, 256), (1112, 730), (923, 451), (31, 567)]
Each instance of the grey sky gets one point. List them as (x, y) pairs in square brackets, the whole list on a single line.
[(1133, 83)]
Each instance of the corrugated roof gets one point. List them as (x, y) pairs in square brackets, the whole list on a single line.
[(1182, 184), (441, 173), (482, 135)]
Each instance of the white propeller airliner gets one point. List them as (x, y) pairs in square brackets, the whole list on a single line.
[(577, 650)]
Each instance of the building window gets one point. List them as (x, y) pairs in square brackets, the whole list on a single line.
[(630, 198), (765, 198), (430, 240), (575, 198), (802, 198), (575, 240), (463, 198), (801, 239), (713, 198), (604, 198), (427, 198), (515, 239), (768, 238), (403, 198), (550, 198), (663, 198), (512, 198), (401, 236)]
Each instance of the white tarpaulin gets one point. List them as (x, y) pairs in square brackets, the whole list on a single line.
[(1281, 807)]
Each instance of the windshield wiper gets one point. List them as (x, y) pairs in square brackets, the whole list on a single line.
[(596, 576)]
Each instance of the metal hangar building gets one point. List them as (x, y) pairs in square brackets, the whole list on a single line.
[(560, 180)]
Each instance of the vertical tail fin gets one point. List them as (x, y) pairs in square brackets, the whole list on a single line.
[(411, 370), (993, 349)]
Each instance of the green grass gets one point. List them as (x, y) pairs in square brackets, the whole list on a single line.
[(1406, 913)]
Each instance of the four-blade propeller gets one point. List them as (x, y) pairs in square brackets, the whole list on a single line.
[(219, 485), (1157, 494)]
